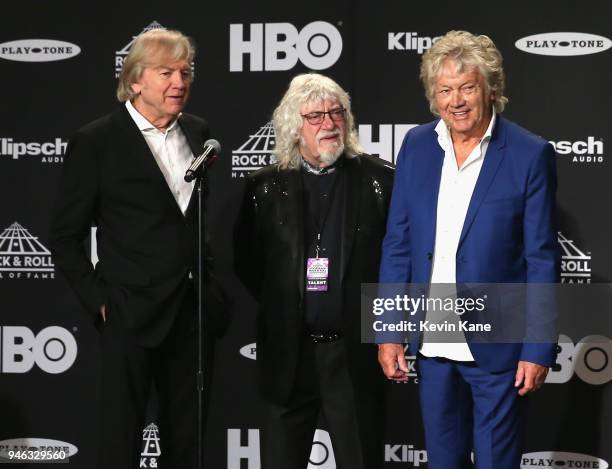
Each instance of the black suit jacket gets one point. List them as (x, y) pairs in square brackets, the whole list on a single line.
[(269, 259), (146, 246)]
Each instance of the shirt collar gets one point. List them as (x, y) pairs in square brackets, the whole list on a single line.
[(306, 166), (444, 138), (142, 122)]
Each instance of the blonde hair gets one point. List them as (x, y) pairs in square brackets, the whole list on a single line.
[(287, 120), (149, 47), (467, 51)]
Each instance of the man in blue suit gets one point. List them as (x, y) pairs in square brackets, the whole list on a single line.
[(473, 201)]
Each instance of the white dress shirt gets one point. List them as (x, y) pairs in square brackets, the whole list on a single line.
[(456, 188), (171, 152)]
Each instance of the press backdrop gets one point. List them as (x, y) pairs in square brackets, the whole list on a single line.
[(59, 61)]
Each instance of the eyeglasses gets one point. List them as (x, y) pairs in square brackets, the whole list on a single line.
[(317, 117)]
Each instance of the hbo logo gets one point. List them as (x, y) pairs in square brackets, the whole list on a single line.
[(590, 359), (54, 349), (279, 46)]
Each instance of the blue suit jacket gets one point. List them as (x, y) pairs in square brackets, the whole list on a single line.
[(509, 233)]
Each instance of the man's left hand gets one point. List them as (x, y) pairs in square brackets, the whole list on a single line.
[(529, 377)]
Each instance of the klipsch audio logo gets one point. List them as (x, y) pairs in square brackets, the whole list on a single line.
[(255, 153), (121, 54), (405, 453), (279, 46), (38, 50), (22, 255), (555, 459), (563, 44), (410, 41), (387, 141), (586, 151), (575, 264), (50, 152), (35, 450), (151, 448), (53, 349)]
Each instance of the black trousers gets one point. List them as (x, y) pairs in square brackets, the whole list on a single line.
[(322, 385), (128, 372)]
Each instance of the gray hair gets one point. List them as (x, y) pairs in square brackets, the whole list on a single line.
[(467, 51), (150, 48), (287, 120)]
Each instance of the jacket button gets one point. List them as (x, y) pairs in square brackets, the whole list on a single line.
[(429, 256)]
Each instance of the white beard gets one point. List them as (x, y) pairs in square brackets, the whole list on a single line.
[(329, 157)]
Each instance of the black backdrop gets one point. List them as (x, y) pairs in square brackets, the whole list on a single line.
[(48, 353)]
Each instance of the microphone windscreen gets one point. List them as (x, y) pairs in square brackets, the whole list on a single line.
[(213, 143)]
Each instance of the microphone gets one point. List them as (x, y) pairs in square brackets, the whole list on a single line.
[(211, 149)]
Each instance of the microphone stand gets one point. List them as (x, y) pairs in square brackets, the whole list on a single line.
[(197, 171), (200, 187)]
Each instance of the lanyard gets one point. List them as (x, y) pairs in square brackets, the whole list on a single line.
[(319, 222)]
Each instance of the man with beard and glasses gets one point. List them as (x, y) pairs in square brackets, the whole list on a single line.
[(308, 234)]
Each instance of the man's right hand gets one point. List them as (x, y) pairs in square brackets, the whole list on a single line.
[(103, 312), (393, 361)]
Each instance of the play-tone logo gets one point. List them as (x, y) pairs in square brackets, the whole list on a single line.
[(575, 264), (279, 46), (563, 44), (555, 459), (47, 450), (38, 50), (121, 54), (255, 153), (151, 447), (410, 41), (23, 256), (249, 351)]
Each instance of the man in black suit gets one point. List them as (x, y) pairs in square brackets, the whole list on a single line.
[(308, 234), (124, 172)]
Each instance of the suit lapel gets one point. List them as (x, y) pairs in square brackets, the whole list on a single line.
[(140, 150), (291, 214), (196, 145), (194, 138), (432, 185), (493, 158), (352, 202), (136, 146)]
